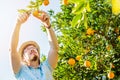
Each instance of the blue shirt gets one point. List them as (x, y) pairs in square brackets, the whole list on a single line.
[(43, 72)]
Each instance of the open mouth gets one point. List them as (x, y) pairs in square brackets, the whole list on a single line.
[(34, 58)]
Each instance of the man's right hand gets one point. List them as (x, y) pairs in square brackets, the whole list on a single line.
[(22, 18)]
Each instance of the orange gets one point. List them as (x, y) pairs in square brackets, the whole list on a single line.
[(108, 47), (65, 2), (111, 75), (46, 2), (118, 38), (71, 61), (36, 13), (87, 63), (90, 31), (117, 30), (78, 57), (113, 66)]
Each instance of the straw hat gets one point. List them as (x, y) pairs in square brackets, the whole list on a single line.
[(25, 44)]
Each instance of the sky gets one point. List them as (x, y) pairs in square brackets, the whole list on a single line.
[(30, 30)]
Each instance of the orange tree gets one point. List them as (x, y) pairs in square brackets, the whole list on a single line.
[(89, 29), (89, 37)]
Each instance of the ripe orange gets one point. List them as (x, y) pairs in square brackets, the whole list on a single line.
[(111, 75), (71, 61), (78, 57), (46, 2), (65, 2), (118, 38), (113, 66), (108, 47), (36, 13), (117, 30), (90, 31), (87, 63)]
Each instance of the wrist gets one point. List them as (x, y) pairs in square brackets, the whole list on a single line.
[(48, 27)]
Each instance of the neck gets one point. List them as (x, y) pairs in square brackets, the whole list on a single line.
[(34, 64)]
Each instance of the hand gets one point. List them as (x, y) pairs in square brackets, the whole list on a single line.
[(22, 18), (44, 18)]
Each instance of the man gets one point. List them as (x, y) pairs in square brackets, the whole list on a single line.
[(26, 62)]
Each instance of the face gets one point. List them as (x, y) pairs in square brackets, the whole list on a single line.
[(31, 53)]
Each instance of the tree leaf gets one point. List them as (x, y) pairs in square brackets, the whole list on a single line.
[(76, 20), (78, 9)]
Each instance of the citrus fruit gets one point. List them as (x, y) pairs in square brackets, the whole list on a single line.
[(71, 61), (111, 75), (87, 63), (78, 57), (46, 2)]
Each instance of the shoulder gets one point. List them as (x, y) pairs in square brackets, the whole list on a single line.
[(23, 69), (46, 65)]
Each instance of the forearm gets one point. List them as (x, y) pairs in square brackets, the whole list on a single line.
[(14, 54), (15, 38), (52, 39)]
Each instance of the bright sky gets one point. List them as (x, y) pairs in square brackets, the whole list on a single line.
[(29, 31)]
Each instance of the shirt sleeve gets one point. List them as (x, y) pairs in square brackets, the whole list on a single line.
[(46, 63), (20, 71)]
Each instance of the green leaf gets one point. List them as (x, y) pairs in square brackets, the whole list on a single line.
[(76, 1), (32, 3), (22, 10), (76, 20), (88, 7), (78, 9)]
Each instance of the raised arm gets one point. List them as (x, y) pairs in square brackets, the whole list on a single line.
[(53, 52), (15, 58)]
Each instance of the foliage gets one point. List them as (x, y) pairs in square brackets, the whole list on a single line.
[(32, 6), (89, 29), (101, 48)]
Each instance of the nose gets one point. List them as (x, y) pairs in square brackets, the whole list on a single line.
[(32, 52)]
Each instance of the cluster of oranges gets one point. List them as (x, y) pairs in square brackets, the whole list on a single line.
[(72, 61), (46, 2), (36, 13), (87, 64)]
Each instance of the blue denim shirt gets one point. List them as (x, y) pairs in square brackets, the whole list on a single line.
[(43, 72)]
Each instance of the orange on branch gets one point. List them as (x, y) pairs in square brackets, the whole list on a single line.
[(87, 63), (111, 75), (46, 2), (113, 66), (65, 2), (90, 31), (117, 30), (108, 47), (78, 57), (35, 13), (118, 37), (71, 61)]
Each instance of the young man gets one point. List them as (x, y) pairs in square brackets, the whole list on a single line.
[(26, 62)]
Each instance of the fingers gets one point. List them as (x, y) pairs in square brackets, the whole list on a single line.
[(44, 17), (22, 17)]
